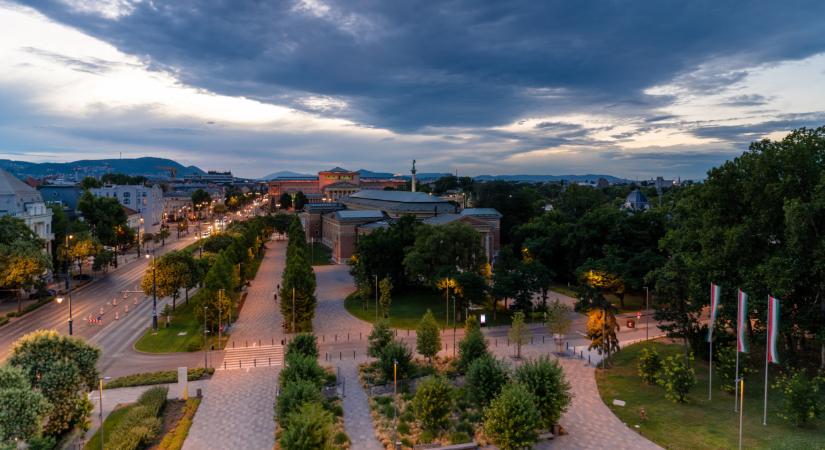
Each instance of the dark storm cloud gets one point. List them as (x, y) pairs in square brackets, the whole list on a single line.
[(415, 64), (751, 132)]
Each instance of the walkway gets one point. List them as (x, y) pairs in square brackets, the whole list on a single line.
[(237, 412)]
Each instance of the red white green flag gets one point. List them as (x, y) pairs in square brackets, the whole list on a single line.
[(714, 308), (742, 323), (773, 329)]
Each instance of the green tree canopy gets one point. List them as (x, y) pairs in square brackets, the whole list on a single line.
[(21, 408), (444, 251), (428, 339), (511, 419)]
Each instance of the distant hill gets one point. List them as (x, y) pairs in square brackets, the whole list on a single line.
[(364, 173), (146, 166), (284, 174), (544, 178)]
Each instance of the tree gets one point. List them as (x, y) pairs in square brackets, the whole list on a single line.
[(221, 275), (428, 339), (199, 198), (310, 428), (303, 344), (649, 366), (81, 248), (432, 403), (298, 280), (511, 419), (23, 263), (545, 380), (299, 201), (385, 297), (443, 251), (804, 398), (171, 273), (104, 215), (301, 367), (559, 320), (21, 408), (380, 336), (285, 200), (485, 378), (382, 253), (395, 352), (292, 397), (163, 234), (518, 333), (90, 183), (103, 259), (516, 202), (63, 369), (602, 329), (472, 346), (677, 377)]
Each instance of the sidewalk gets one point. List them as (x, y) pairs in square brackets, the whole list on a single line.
[(238, 410)]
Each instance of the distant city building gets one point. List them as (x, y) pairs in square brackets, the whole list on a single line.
[(212, 176), (330, 185), (18, 199), (636, 201), (146, 200), (338, 225), (65, 195)]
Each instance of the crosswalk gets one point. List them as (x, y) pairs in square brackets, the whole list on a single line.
[(255, 356)]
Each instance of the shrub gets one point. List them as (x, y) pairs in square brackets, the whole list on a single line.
[(426, 437), (471, 347), (153, 399), (403, 428), (485, 378), (299, 367), (511, 420), (545, 380), (459, 437), (677, 377), (803, 397), (293, 396), (340, 438), (161, 377), (380, 336), (649, 365), (432, 403), (309, 428), (174, 438), (303, 344), (725, 366), (395, 351)]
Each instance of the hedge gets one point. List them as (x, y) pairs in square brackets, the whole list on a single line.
[(173, 440), (162, 377)]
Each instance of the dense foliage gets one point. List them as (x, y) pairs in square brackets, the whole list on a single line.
[(298, 283)]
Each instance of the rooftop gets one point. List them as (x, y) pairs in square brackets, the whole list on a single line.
[(397, 196), (337, 169), (480, 212), (368, 214)]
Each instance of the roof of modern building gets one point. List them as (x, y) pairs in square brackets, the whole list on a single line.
[(441, 219), (369, 214), (376, 225), (480, 212), (323, 206), (397, 196), (10, 184), (636, 197)]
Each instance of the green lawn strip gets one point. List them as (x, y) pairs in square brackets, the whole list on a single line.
[(112, 421), (407, 308), (699, 423), (168, 339), (319, 254), (161, 377)]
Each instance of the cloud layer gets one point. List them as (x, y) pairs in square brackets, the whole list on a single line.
[(631, 88)]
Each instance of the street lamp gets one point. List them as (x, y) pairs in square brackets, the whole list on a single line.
[(68, 283), (154, 294), (100, 393), (647, 311), (205, 363)]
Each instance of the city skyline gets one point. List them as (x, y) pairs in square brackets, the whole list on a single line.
[(493, 89)]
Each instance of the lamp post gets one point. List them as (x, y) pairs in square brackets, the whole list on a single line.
[(100, 415), (454, 325), (647, 311), (154, 294), (376, 297), (68, 283), (395, 402), (205, 363), (220, 299)]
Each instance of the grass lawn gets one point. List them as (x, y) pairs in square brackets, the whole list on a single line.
[(407, 308), (319, 254), (168, 339), (112, 421), (700, 424)]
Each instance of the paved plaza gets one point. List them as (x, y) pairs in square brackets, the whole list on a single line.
[(237, 411)]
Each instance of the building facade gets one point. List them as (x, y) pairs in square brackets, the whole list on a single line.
[(18, 199), (146, 200), (330, 185)]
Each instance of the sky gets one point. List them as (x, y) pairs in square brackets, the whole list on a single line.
[(633, 89)]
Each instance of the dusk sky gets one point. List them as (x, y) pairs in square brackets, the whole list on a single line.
[(629, 88)]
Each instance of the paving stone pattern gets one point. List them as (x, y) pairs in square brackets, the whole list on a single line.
[(237, 411)]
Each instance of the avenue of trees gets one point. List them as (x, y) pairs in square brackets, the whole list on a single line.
[(298, 282), (23, 261)]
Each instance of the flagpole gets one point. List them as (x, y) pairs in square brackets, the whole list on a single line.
[(710, 371), (741, 385), (736, 385), (767, 352)]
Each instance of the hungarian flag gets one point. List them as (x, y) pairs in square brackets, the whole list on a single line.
[(773, 329), (714, 307), (741, 323)]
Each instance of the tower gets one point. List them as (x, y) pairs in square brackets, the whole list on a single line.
[(413, 176)]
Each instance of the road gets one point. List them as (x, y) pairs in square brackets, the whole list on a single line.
[(88, 300)]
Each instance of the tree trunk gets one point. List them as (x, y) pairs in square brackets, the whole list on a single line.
[(19, 302), (621, 299)]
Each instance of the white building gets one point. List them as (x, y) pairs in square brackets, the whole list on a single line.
[(20, 200), (146, 200)]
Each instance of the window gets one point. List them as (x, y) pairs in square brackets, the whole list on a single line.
[(127, 201)]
